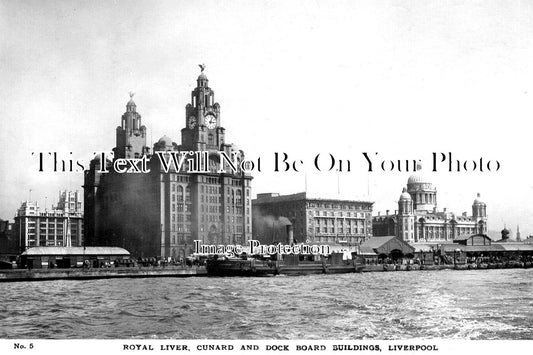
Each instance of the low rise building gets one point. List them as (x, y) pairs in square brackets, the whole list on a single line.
[(70, 257), (59, 226)]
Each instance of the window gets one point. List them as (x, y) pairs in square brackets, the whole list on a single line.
[(180, 193)]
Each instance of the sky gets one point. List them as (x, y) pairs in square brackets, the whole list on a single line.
[(399, 80)]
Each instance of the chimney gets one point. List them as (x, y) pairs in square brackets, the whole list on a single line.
[(290, 234), (387, 212)]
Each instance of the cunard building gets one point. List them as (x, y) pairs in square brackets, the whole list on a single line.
[(161, 213), (419, 220), (312, 219)]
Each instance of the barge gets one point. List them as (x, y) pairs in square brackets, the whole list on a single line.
[(287, 264)]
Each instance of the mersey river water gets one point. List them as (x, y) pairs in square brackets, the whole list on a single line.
[(478, 304)]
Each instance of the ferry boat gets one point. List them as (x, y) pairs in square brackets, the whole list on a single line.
[(223, 266), (287, 264)]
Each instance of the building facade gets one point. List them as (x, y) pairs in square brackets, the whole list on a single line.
[(313, 220), (162, 212), (418, 219), (59, 226), (8, 243)]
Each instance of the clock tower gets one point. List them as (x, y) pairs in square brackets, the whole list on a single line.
[(202, 130), (162, 213)]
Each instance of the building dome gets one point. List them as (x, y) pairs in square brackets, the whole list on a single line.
[(405, 195), (418, 179), (130, 106), (202, 76), (131, 102), (478, 200), (165, 141)]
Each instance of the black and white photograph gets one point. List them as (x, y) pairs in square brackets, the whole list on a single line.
[(266, 176)]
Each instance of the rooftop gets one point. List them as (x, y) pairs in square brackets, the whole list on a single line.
[(301, 196), (467, 236), (76, 251)]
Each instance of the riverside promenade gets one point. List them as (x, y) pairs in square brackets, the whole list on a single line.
[(99, 273)]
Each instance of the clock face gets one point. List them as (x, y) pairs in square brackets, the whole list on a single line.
[(210, 121), (192, 122)]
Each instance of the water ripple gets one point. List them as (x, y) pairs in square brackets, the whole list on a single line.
[(476, 304)]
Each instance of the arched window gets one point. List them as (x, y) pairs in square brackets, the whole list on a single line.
[(210, 139)]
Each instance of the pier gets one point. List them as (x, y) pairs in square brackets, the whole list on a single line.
[(102, 273)]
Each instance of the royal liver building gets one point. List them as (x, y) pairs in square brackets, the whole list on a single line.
[(161, 213)]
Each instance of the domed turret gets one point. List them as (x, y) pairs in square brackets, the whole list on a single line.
[(164, 144), (405, 203), (418, 179), (479, 208), (202, 78), (166, 141), (406, 218), (478, 200), (405, 195), (422, 191), (131, 135), (131, 106)]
